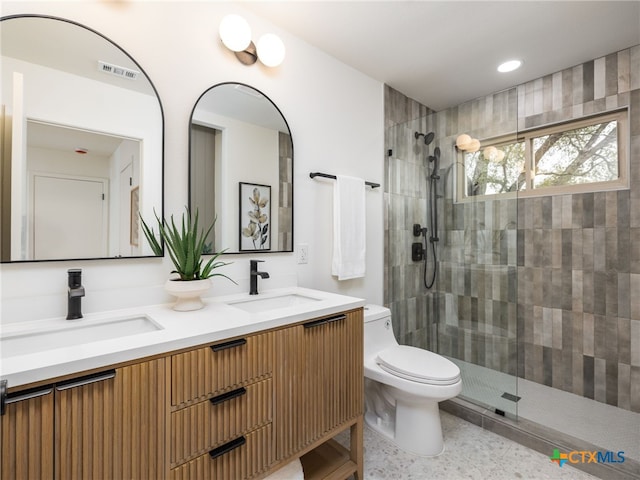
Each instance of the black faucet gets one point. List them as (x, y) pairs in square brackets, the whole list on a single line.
[(75, 294), (253, 276)]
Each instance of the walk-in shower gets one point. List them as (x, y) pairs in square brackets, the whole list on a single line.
[(529, 295)]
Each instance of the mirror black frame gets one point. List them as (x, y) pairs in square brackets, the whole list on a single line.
[(77, 24), (252, 252)]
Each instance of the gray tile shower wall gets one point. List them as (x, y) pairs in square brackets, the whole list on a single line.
[(546, 288)]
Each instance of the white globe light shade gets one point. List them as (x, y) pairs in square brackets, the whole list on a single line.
[(235, 33), (474, 146), (490, 153), (270, 50), (463, 141), (500, 155)]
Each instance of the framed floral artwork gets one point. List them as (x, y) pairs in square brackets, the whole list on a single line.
[(255, 217)]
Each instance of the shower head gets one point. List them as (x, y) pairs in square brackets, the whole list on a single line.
[(428, 137)]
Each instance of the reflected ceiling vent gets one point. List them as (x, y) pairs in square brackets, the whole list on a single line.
[(249, 91), (117, 71)]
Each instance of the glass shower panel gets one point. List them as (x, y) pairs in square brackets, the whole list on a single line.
[(477, 311), (478, 319), (469, 312)]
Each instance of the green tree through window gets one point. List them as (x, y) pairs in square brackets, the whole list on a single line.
[(555, 159)]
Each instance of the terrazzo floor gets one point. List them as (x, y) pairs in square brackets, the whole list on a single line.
[(470, 453)]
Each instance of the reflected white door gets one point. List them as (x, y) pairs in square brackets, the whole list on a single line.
[(126, 177), (69, 218)]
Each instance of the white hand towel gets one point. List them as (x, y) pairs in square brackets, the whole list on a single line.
[(349, 232)]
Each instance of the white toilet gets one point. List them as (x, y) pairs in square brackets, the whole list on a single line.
[(403, 386)]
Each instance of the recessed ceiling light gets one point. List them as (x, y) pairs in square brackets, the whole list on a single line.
[(509, 66)]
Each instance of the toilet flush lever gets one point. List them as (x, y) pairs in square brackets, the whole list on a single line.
[(387, 324)]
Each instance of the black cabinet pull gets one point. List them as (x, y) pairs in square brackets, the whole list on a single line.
[(86, 380), (23, 395), (238, 392), (323, 321), (227, 447), (232, 344)]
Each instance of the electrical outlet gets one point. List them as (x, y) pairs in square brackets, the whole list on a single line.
[(303, 253)]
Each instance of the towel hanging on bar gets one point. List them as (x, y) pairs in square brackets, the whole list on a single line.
[(326, 175), (349, 228)]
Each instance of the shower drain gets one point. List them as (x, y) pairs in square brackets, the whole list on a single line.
[(510, 396)]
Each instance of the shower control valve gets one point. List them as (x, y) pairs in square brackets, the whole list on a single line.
[(417, 252)]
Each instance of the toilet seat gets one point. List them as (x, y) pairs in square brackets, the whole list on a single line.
[(418, 365)]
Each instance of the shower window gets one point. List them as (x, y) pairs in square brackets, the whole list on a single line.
[(498, 167), (582, 156)]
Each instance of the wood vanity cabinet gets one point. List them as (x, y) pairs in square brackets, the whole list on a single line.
[(222, 410), (112, 424), (236, 409), (109, 424), (26, 433), (320, 393), (243, 408)]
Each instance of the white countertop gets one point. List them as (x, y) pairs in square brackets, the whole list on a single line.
[(218, 320)]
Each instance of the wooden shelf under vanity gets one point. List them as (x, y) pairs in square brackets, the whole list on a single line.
[(329, 461)]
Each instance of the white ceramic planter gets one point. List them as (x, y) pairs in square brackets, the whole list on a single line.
[(187, 293)]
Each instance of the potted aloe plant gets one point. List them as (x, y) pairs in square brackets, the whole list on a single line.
[(186, 244)]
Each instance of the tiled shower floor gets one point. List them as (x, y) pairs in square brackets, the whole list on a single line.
[(605, 426)]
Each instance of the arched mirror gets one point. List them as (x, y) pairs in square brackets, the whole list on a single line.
[(241, 170), (82, 144)]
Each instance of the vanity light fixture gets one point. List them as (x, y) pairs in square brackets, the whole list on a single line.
[(271, 50), (467, 144), (235, 34), (509, 66)]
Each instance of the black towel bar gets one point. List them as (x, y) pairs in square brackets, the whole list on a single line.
[(326, 175)]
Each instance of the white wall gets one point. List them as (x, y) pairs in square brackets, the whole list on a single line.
[(336, 119)]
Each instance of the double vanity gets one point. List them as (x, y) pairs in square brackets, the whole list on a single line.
[(235, 390)]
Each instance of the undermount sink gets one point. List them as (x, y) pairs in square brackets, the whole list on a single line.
[(263, 304), (72, 333)]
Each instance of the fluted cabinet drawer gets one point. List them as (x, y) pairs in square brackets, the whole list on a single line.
[(205, 372), (201, 427), (243, 458), (26, 437)]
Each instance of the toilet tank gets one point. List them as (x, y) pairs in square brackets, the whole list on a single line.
[(378, 331)]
